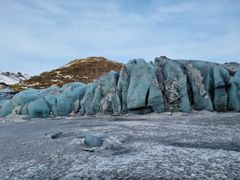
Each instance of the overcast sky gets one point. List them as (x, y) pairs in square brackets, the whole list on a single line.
[(40, 35)]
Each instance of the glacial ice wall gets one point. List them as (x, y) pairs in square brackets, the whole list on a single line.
[(139, 88)]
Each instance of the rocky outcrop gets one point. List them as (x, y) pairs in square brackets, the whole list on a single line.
[(78, 70), (139, 88)]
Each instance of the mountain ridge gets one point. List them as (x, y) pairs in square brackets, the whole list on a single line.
[(10, 78)]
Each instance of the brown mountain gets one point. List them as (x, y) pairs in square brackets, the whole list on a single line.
[(83, 70)]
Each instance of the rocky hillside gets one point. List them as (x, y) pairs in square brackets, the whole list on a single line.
[(8, 78), (83, 70)]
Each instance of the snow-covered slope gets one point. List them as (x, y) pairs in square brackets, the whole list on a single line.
[(12, 78)]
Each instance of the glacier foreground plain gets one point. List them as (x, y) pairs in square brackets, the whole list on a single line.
[(198, 145)]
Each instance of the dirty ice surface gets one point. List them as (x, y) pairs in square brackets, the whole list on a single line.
[(200, 145)]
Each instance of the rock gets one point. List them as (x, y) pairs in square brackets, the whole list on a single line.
[(57, 135), (173, 81), (93, 140)]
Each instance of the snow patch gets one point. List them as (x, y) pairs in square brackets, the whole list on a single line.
[(12, 78)]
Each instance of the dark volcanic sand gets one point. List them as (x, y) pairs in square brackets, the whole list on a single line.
[(192, 146)]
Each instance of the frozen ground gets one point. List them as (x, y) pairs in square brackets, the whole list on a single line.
[(158, 146)]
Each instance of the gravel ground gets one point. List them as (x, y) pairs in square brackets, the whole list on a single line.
[(200, 145)]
